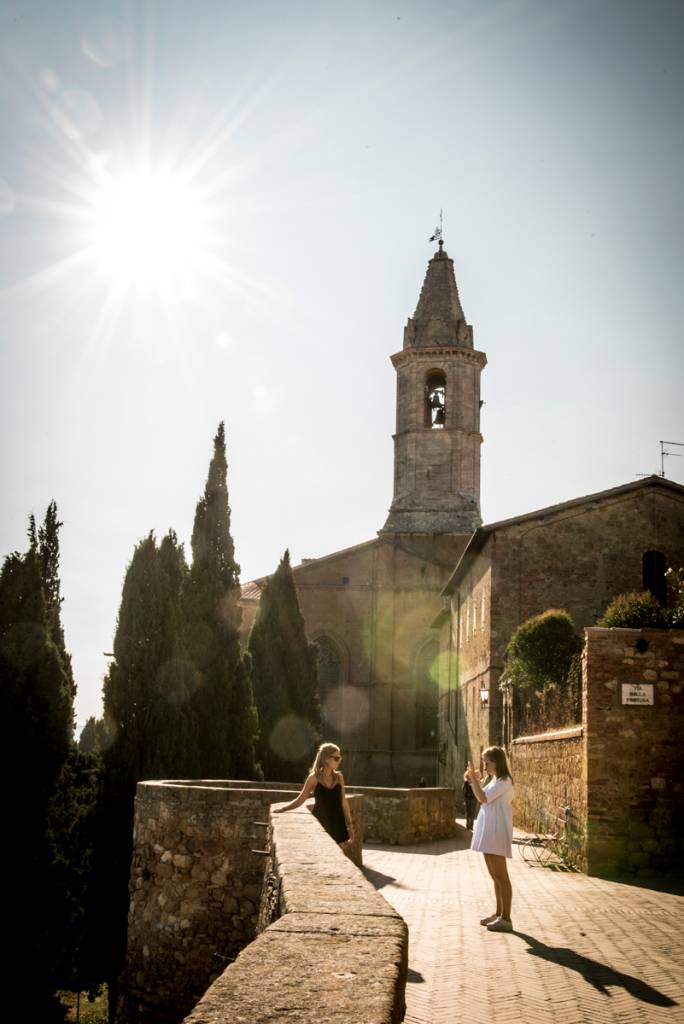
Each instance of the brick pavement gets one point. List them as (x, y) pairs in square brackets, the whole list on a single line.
[(583, 949)]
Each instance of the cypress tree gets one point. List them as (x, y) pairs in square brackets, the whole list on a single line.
[(172, 747), (285, 680), (95, 736), (149, 730), (36, 713), (48, 553), (71, 835), (223, 704), (128, 691), (149, 685)]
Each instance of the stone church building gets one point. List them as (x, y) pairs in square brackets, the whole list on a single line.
[(411, 625)]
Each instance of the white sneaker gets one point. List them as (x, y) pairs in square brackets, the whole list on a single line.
[(500, 925), (488, 920)]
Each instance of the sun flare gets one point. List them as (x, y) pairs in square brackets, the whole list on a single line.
[(146, 228)]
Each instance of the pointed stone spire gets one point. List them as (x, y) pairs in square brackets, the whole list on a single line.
[(439, 319), (437, 457)]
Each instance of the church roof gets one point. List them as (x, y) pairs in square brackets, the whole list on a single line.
[(251, 590), (439, 318), (479, 538)]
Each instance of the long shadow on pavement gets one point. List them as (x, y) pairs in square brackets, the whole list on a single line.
[(378, 880), (656, 881), (597, 974), (414, 977)]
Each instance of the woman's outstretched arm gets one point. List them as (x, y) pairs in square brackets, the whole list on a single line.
[(306, 793)]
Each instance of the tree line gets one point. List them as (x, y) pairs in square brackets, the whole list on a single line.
[(181, 699)]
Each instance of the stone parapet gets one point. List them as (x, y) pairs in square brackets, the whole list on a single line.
[(199, 852), (404, 817), (401, 817), (336, 951)]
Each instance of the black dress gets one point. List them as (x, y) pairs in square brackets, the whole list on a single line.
[(328, 810)]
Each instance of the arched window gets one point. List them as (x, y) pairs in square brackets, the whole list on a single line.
[(435, 400), (329, 665), (653, 566), (427, 695)]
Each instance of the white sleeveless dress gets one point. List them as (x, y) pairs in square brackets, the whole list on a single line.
[(494, 826)]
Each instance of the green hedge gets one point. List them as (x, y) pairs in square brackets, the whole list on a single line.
[(641, 610), (635, 611)]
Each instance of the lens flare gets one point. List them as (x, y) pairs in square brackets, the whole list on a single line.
[(292, 738), (346, 708)]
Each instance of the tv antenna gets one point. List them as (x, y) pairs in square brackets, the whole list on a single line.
[(663, 454)]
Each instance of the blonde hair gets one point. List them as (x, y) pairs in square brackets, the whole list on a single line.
[(500, 759), (325, 751)]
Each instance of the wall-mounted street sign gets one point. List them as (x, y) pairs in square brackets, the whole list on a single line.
[(637, 693)]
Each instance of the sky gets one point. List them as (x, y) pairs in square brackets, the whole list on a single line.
[(221, 211)]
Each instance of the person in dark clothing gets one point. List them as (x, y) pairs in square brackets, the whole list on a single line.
[(471, 804), (325, 784)]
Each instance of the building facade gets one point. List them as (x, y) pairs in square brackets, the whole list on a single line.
[(577, 555)]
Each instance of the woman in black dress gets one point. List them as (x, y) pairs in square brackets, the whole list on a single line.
[(325, 784)]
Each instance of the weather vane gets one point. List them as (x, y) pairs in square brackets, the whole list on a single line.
[(437, 237)]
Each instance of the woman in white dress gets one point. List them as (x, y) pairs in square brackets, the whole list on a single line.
[(493, 834)]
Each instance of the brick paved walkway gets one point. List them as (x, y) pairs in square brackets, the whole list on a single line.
[(583, 949)]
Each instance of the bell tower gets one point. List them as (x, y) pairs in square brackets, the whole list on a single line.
[(437, 440)]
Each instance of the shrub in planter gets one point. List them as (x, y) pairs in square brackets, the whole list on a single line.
[(638, 610)]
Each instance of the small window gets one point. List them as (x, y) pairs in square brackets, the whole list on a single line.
[(435, 401), (653, 567)]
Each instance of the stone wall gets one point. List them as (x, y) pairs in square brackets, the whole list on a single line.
[(400, 817), (403, 817), (288, 790), (548, 772), (635, 789), (195, 888), (336, 951)]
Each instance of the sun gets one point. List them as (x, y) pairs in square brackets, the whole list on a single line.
[(146, 227)]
